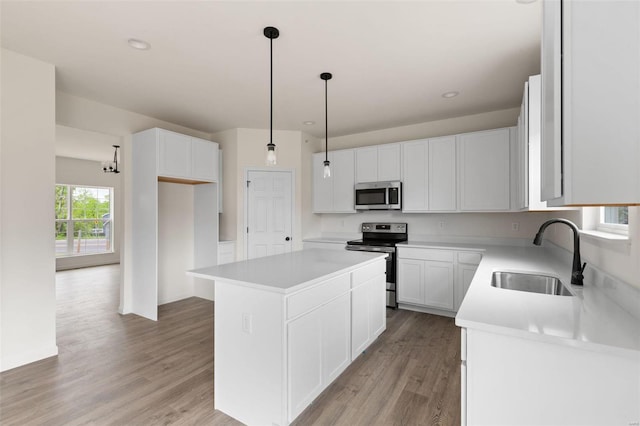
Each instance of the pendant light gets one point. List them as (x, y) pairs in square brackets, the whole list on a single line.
[(271, 33), (327, 170), (112, 166)]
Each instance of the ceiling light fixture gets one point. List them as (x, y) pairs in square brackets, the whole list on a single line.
[(271, 33), (112, 166), (449, 95), (326, 76), (138, 44)]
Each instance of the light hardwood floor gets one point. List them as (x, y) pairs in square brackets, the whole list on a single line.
[(126, 370)]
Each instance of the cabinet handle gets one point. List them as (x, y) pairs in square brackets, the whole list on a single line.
[(287, 239)]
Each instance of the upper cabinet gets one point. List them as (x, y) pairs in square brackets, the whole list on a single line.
[(484, 170), (378, 163), (429, 175), (334, 194), (591, 102), (185, 157)]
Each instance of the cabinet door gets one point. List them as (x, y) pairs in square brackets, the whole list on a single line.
[(415, 177), (204, 160), (174, 154), (484, 170), (389, 162), (336, 338), (438, 284), (442, 174), (305, 361), (343, 176), (359, 320), (410, 281), (367, 164), (377, 306), (464, 277), (322, 187)]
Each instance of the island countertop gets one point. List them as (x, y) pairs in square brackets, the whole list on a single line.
[(288, 272)]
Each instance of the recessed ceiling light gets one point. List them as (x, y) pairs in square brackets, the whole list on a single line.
[(138, 44), (308, 123), (450, 94)]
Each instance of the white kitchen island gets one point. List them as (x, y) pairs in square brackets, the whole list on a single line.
[(287, 325)]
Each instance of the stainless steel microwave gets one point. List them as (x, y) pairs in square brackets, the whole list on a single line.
[(379, 195)]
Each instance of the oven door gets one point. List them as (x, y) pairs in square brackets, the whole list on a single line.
[(371, 198)]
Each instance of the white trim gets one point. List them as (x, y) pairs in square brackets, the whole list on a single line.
[(247, 170), (610, 228)]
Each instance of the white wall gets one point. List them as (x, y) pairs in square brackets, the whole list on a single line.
[(27, 169), (73, 171), (85, 114)]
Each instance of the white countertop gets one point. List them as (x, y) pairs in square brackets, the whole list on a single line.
[(331, 240), (590, 319), (285, 273)]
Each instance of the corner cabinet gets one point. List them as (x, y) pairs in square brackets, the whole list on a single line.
[(163, 156), (434, 280), (590, 102), (334, 194)]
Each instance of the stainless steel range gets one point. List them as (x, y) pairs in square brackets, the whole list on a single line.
[(382, 238)]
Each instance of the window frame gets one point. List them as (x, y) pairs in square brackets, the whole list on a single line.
[(611, 228), (70, 221)]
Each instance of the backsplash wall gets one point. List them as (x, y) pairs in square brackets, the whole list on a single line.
[(491, 225)]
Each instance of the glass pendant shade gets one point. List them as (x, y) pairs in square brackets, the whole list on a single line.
[(327, 169), (271, 155)]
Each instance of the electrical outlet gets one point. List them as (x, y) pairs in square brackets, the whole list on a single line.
[(247, 325), (515, 226), (442, 225)]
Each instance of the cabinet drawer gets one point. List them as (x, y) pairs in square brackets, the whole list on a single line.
[(469, 257), (425, 254), (366, 273), (320, 294)]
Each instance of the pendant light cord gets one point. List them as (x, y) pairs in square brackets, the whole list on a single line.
[(271, 93), (326, 123)]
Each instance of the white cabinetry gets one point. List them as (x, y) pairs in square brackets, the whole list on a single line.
[(368, 311), (484, 169), (429, 175), (318, 351), (378, 163), (161, 155), (507, 379), (334, 194), (185, 157), (591, 102), (433, 278), (226, 252)]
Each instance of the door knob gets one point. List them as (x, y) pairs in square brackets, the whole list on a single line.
[(287, 239)]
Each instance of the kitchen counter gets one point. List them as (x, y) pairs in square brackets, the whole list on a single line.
[(589, 320), (289, 272)]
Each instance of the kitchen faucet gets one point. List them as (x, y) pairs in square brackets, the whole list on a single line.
[(578, 268)]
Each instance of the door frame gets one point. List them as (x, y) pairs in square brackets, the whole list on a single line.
[(247, 170)]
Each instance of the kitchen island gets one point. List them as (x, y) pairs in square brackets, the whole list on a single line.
[(287, 325)]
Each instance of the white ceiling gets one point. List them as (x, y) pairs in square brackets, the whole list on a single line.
[(208, 66)]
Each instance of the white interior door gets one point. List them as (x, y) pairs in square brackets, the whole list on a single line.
[(269, 206)]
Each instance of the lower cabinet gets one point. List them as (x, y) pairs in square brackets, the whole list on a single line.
[(226, 252), (318, 352), (368, 313), (435, 278), (508, 379)]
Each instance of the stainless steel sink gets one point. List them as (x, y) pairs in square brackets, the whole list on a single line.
[(529, 282)]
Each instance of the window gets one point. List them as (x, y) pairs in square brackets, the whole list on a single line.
[(614, 219), (84, 222)]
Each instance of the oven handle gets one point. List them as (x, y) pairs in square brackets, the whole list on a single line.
[(388, 250)]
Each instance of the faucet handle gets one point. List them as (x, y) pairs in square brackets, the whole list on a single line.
[(584, 265)]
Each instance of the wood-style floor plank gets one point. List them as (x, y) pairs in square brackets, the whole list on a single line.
[(126, 370)]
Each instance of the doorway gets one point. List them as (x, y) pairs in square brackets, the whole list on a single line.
[(268, 212)]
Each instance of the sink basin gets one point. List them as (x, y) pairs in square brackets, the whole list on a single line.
[(533, 283)]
